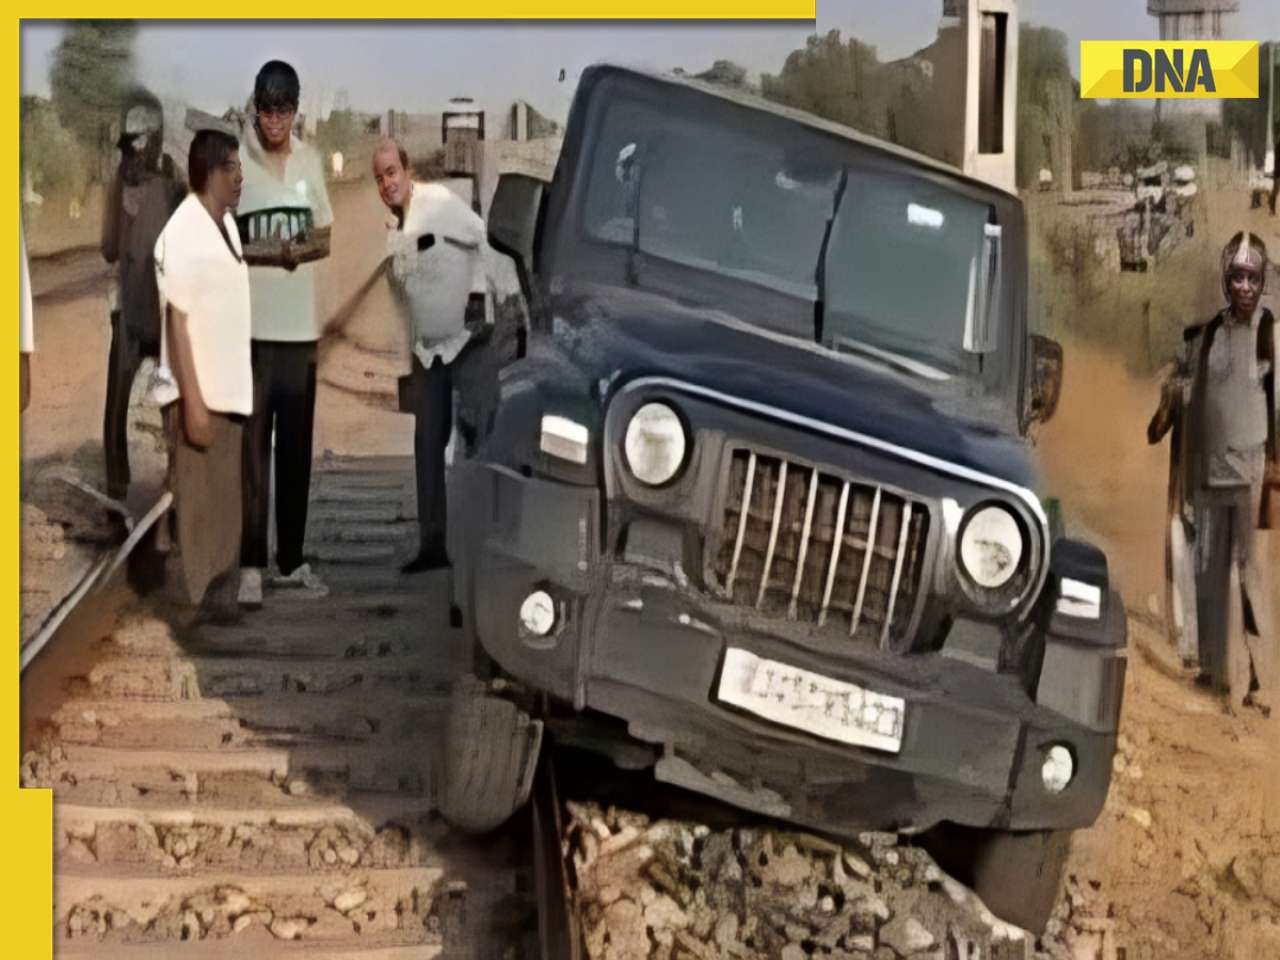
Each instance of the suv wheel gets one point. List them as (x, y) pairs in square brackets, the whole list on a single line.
[(490, 755), (1018, 875)]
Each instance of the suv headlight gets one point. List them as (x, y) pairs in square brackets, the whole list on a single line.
[(655, 444), (991, 546)]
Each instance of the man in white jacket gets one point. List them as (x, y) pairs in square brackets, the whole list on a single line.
[(435, 261)]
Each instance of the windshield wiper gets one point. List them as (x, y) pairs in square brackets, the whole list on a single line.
[(820, 275)]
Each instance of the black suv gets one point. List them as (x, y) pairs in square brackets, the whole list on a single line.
[(753, 506)]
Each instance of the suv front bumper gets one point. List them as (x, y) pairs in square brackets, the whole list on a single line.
[(636, 642)]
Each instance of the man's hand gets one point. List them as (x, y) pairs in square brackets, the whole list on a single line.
[(197, 424)]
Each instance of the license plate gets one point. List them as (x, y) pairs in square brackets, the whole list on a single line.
[(822, 706)]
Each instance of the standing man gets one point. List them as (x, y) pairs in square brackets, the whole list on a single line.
[(284, 219), (143, 195), (435, 261), (1227, 462)]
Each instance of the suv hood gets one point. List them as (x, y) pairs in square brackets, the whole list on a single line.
[(618, 335)]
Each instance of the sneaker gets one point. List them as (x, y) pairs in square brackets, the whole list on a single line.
[(250, 587), (302, 578)]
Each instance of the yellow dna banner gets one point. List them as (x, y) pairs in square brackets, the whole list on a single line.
[(1169, 69)]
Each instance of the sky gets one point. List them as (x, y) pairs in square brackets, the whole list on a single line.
[(419, 65)]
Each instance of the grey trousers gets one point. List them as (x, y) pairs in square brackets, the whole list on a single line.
[(1232, 606)]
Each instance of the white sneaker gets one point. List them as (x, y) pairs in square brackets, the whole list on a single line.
[(250, 587), (304, 579)]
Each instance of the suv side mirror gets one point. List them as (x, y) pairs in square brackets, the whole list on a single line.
[(513, 219), (1045, 383)]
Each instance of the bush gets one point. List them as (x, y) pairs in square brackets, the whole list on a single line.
[(50, 155)]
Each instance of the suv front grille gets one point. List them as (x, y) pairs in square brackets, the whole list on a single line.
[(813, 547)]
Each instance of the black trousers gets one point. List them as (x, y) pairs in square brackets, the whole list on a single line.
[(127, 351), (432, 399), (284, 397)]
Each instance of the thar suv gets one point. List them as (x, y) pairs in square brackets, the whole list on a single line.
[(752, 505)]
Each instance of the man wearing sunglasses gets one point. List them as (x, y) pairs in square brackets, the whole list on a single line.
[(284, 219)]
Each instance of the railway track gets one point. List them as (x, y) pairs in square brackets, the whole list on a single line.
[(265, 787)]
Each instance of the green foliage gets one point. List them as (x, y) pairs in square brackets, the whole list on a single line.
[(834, 79), (726, 73), (338, 133), (1247, 119), (92, 68), (1047, 96), (50, 155)]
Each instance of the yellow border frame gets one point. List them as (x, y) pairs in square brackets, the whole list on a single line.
[(26, 816)]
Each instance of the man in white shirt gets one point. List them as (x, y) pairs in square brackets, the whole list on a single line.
[(284, 219), (435, 262), (203, 285)]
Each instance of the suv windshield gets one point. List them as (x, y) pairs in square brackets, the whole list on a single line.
[(904, 256)]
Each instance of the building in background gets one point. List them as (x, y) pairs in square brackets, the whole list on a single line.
[(1191, 19)]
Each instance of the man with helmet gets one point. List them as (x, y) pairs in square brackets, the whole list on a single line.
[(144, 193), (1226, 471)]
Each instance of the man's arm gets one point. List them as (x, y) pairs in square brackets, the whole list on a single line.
[(348, 308), (111, 221), (195, 415)]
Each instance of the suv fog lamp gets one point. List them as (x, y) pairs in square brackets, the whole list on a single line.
[(655, 444), (1077, 599), (991, 547), (1058, 769), (538, 613), (564, 438)]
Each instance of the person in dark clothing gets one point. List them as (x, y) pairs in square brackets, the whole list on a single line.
[(144, 193), (1223, 414)]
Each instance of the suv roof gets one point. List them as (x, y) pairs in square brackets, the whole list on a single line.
[(593, 74)]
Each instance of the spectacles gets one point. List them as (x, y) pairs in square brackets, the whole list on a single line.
[(276, 113)]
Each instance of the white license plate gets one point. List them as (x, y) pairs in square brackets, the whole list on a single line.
[(822, 706)]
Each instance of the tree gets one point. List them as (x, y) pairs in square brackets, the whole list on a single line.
[(1246, 120), (51, 158), (338, 133), (726, 73), (92, 68), (1046, 105), (835, 79)]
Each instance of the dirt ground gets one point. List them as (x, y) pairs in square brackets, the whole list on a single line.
[(1185, 860)]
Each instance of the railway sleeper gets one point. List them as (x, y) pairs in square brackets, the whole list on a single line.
[(190, 678), (388, 908), (326, 843), (220, 723)]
